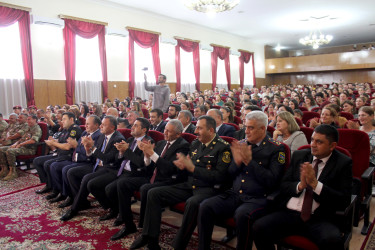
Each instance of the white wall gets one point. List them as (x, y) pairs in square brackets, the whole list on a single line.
[(47, 42)]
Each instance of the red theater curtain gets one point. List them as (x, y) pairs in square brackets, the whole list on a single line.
[(144, 40), (245, 58), (10, 16), (188, 46), (88, 31), (223, 54)]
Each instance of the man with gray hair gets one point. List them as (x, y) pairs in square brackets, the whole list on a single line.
[(16, 129), (185, 118), (159, 160), (221, 128), (132, 116), (113, 112), (257, 167)]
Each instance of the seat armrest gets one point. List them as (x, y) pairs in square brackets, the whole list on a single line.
[(368, 173), (272, 197), (349, 208)]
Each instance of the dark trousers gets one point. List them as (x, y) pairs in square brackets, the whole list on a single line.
[(144, 191), (75, 176), (42, 165), (160, 197), (271, 228), (59, 178), (225, 206), (119, 194)]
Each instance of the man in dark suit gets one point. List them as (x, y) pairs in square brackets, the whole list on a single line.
[(185, 118), (317, 183), (60, 169), (63, 152), (221, 128), (199, 111), (160, 160), (130, 162), (105, 156), (156, 119), (240, 134), (207, 166), (257, 172)]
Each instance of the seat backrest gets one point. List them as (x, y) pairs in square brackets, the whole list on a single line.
[(189, 137), (156, 135), (236, 127), (82, 120), (347, 115), (228, 139), (309, 121), (237, 120), (299, 121), (316, 109), (308, 133), (43, 126), (216, 107), (194, 122), (82, 127), (238, 112), (341, 149), (270, 129), (307, 115), (125, 132), (145, 113), (165, 116), (303, 109)]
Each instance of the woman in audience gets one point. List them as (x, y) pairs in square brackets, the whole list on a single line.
[(135, 106), (227, 114), (359, 102), (84, 110), (208, 104), (340, 120), (66, 107), (282, 107), (97, 110), (50, 109), (218, 101), (293, 104), (310, 102), (286, 101), (76, 113), (200, 100), (185, 106), (271, 112), (366, 118), (334, 100), (288, 131), (348, 106), (328, 116), (122, 109)]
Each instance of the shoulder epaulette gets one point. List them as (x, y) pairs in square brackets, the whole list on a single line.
[(271, 140)]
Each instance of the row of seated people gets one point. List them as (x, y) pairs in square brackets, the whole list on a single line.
[(101, 162)]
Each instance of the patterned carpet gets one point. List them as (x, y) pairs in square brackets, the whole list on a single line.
[(369, 242), (28, 221), (24, 180)]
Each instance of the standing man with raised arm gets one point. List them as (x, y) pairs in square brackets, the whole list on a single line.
[(161, 93)]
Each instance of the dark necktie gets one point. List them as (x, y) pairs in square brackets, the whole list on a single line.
[(102, 150), (308, 200), (123, 164), (152, 180)]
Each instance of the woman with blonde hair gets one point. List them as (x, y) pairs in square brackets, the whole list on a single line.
[(328, 116), (97, 110), (135, 106), (288, 131)]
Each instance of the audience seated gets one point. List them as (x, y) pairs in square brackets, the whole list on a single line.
[(221, 128), (185, 117), (156, 120)]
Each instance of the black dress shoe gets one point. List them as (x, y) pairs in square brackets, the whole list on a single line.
[(123, 232), (52, 195), (43, 190), (66, 203), (117, 222), (141, 241), (58, 198), (108, 216), (68, 215)]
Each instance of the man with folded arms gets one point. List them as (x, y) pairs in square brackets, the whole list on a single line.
[(317, 183), (159, 159), (206, 166), (60, 169)]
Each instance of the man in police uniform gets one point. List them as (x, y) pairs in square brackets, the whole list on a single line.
[(206, 166), (26, 145), (64, 151), (257, 170)]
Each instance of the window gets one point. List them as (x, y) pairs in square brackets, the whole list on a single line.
[(221, 77), (87, 59), (142, 60), (248, 74), (187, 71), (10, 51)]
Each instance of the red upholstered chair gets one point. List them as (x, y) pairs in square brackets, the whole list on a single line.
[(145, 113), (308, 132), (156, 135), (82, 127), (316, 109), (303, 109), (82, 120), (27, 159), (307, 115), (7, 120), (194, 122), (309, 121), (237, 120), (236, 127), (325, 103), (165, 116), (125, 132), (228, 139), (237, 108), (347, 115), (189, 137), (270, 129), (216, 107), (354, 120), (238, 112), (358, 144), (299, 121)]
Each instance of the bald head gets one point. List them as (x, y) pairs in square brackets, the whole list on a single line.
[(112, 112)]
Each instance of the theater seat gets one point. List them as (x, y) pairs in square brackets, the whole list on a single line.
[(82, 120), (237, 120), (156, 135), (307, 115), (308, 133), (125, 132), (189, 137), (236, 127)]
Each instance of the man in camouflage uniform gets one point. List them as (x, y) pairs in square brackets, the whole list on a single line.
[(16, 129), (26, 145), (3, 124)]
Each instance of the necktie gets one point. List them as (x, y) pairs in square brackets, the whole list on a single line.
[(124, 162), (162, 155), (102, 150), (308, 200)]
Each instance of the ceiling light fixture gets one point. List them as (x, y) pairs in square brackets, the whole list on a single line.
[(315, 39), (211, 6)]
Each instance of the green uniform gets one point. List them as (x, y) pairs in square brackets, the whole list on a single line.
[(3, 125), (12, 130), (8, 155)]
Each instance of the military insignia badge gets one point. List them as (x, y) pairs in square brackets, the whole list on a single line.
[(226, 157), (281, 158), (73, 133)]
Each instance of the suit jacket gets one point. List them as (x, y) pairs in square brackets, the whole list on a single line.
[(240, 134), (136, 158), (164, 165), (226, 130), (190, 129), (161, 127), (109, 155), (80, 149), (336, 177)]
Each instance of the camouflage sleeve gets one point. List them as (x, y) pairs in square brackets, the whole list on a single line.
[(22, 129), (36, 133)]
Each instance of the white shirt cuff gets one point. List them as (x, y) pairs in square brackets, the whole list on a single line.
[(318, 188), (297, 191), (147, 161), (154, 157)]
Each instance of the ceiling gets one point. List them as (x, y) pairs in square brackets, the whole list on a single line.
[(273, 22)]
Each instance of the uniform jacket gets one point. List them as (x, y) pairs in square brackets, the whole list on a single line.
[(264, 172), (73, 132), (34, 133), (336, 178)]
